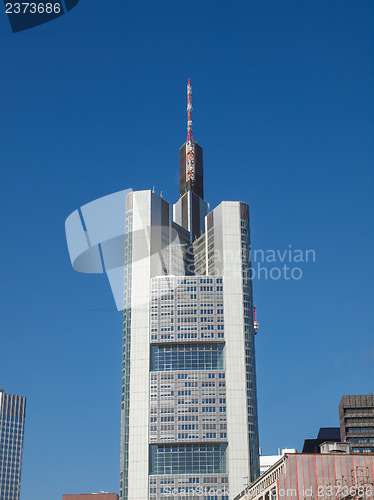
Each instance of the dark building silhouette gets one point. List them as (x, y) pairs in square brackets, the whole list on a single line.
[(324, 434)]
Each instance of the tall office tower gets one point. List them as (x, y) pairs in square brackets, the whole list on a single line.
[(12, 423), (356, 416), (189, 406)]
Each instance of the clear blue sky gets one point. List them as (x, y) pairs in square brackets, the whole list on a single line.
[(95, 102)]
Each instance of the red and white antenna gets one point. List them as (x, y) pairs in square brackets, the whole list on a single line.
[(190, 144), (189, 112)]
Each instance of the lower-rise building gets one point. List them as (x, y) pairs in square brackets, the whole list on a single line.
[(299, 476), (356, 416), (266, 461)]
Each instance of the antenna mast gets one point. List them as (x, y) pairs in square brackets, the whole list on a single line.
[(189, 111), (190, 144)]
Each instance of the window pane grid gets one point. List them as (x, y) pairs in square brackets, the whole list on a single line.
[(198, 459), (187, 357)]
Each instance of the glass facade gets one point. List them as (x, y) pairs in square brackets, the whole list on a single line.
[(187, 357), (188, 459), (12, 422)]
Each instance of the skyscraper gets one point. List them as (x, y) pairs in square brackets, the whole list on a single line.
[(12, 423), (189, 405)]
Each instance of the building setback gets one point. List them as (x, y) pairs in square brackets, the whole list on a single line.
[(12, 424), (356, 417), (189, 405)]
